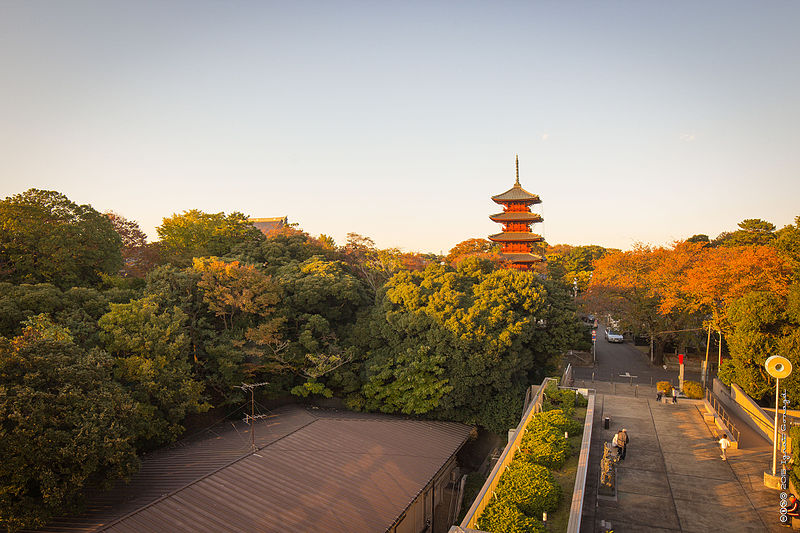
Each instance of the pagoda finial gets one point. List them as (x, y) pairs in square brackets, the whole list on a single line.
[(517, 182)]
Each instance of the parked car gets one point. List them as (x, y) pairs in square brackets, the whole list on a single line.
[(613, 337)]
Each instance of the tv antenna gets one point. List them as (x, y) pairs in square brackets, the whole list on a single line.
[(252, 416)]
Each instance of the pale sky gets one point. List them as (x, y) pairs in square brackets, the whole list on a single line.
[(635, 121)]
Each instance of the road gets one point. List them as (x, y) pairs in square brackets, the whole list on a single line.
[(615, 360)]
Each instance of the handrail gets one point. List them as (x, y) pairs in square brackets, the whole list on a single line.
[(717, 405), (487, 491), (576, 508)]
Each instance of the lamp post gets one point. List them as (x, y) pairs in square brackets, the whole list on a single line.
[(778, 367)]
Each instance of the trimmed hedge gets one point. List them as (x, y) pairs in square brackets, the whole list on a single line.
[(693, 389), (501, 516), (664, 386), (531, 487)]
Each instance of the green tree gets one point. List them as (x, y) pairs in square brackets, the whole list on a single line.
[(46, 238), (491, 330), (761, 324), (151, 350), (197, 234), (64, 424), (751, 232)]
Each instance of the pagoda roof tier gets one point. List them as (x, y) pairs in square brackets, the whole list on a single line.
[(516, 236), (517, 194), (522, 258), (516, 216)]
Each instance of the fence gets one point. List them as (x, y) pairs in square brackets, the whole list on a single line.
[(723, 414)]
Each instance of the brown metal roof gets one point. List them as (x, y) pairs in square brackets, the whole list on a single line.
[(516, 194), (314, 471), (515, 236)]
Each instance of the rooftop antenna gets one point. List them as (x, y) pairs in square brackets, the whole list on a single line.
[(252, 416), (517, 182)]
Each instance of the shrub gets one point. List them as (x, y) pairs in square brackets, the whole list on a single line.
[(501, 516), (557, 419), (664, 386), (545, 446), (530, 487), (693, 389)]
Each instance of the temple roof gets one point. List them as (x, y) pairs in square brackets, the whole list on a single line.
[(522, 258), (516, 216), (517, 194), (515, 236)]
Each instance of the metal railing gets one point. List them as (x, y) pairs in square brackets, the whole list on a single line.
[(487, 491), (722, 413)]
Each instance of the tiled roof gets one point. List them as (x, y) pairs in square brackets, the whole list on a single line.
[(516, 193), (516, 216), (313, 471), (266, 225), (515, 236), (521, 258)]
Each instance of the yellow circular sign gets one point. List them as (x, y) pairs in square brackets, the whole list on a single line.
[(778, 366)]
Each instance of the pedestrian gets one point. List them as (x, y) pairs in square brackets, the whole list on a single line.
[(724, 444), (659, 394), (674, 395), (621, 442)]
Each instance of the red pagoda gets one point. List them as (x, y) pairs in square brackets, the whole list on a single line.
[(516, 219)]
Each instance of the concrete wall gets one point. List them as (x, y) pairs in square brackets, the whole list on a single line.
[(742, 406)]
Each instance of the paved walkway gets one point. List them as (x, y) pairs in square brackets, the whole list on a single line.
[(673, 478)]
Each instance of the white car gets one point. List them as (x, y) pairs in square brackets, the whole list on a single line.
[(613, 337)]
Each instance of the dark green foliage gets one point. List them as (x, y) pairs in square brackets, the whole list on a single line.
[(64, 424), (564, 399), (503, 411), (46, 238), (151, 351)]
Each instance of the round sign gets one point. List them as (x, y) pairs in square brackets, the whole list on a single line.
[(778, 366)]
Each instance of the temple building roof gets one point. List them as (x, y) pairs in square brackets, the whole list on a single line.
[(522, 258), (516, 216), (517, 194), (515, 236)]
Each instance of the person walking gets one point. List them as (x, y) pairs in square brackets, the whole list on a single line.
[(724, 444), (674, 395), (621, 442)]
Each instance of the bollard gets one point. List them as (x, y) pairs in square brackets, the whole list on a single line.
[(651, 381), (615, 387), (636, 392), (593, 378)]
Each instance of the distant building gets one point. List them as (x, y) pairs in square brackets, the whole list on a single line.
[(268, 225), (312, 470), (516, 219)]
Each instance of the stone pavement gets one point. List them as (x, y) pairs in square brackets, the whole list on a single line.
[(673, 478)]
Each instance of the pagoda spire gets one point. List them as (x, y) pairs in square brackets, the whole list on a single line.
[(516, 184)]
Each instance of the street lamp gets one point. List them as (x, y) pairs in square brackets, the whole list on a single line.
[(575, 288), (778, 367)]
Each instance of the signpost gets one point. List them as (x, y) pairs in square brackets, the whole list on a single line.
[(680, 375)]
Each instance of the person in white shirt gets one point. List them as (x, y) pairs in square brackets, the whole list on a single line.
[(724, 444)]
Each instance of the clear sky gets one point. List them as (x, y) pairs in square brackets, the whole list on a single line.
[(635, 121)]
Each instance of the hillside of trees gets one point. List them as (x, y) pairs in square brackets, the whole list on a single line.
[(108, 343)]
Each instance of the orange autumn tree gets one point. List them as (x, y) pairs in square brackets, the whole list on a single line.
[(631, 287)]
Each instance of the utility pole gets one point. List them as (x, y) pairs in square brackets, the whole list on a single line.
[(252, 416)]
